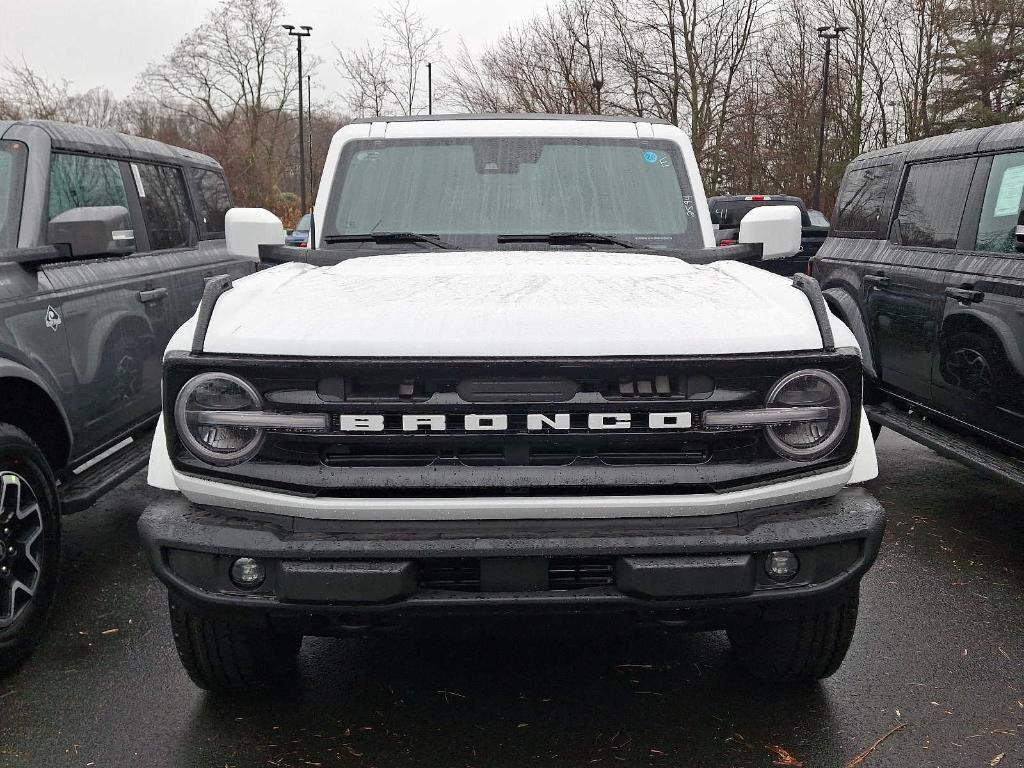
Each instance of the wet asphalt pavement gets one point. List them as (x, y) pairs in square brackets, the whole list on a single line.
[(938, 654)]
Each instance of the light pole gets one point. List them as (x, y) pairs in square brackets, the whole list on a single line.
[(298, 34), (309, 124), (828, 34), (430, 88)]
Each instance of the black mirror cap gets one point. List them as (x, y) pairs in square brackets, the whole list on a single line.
[(1018, 233), (93, 231)]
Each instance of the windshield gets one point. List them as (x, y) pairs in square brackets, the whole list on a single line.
[(818, 219), (12, 176), (729, 213), (471, 191)]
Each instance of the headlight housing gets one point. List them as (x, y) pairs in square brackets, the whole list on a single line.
[(807, 440), (217, 440)]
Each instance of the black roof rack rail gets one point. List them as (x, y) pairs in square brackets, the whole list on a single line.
[(810, 288), (216, 287)]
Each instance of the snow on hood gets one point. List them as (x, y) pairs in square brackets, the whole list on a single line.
[(512, 303)]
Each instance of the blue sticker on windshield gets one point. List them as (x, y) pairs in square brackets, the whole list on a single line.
[(651, 157)]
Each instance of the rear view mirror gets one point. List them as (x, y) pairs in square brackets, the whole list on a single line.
[(246, 229), (776, 227), (93, 231)]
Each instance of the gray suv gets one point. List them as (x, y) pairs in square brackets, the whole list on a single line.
[(106, 241)]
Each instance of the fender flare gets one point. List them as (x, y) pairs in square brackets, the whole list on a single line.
[(11, 369), (101, 334), (845, 307), (1014, 351)]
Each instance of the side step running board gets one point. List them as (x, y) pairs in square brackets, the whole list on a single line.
[(81, 491), (944, 442)]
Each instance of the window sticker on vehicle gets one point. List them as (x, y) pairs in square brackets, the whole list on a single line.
[(1010, 191), (138, 180), (688, 207), (651, 157)]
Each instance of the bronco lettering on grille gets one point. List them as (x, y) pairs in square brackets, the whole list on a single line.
[(499, 422)]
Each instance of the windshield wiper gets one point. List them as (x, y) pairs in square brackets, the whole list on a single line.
[(392, 237), (567, 238)]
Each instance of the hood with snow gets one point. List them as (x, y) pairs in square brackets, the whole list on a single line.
[(512, 304)]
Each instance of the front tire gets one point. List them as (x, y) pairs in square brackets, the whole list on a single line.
[(30, 543), (805, 648), (224, 656)]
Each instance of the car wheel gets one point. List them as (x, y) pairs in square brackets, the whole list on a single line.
[(29, 545), (223, 656), (805, 648)]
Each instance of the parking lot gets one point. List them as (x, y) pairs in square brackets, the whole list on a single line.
[(938, 651)]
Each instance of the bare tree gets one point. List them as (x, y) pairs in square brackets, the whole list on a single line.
[(371, 81), (413, 43), (235, 74), (35, 95)]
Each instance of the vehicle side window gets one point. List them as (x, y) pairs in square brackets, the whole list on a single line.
[(13, 156), (78, 181), (933, 200), (214, 201), (860, 201), (1004, 199), (165, 205)]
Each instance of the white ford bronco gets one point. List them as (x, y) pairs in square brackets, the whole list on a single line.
[(511, 374)]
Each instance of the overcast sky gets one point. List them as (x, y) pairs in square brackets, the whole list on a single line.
[(108, 42)]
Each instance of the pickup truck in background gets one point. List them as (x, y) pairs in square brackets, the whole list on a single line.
[(728, 211), (106, 242)]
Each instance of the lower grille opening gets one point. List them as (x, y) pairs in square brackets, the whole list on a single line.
[(459, 574), (563, 573)]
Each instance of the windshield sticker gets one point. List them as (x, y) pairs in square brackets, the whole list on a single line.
[(1011, 189), (688, 206), (650, 157)]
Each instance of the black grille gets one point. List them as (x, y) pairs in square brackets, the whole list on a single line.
[(564, 573), (458, 574), (516, 460)]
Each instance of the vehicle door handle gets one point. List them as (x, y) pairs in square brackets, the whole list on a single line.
[(965, 295), (152, 294), (876, 281)]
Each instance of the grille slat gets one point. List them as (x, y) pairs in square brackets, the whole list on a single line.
[(564, 573)]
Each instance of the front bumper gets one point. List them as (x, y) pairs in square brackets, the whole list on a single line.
[(707, 571)]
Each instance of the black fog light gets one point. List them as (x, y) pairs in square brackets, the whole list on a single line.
[(248, 573), (781, 565)]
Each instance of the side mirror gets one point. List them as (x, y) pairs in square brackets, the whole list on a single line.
[(776, 227), (246, 229), (93, 231), (1018, 233)]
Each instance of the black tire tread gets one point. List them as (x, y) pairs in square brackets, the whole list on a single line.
[(226, 656), (803, 649), (14, 650)]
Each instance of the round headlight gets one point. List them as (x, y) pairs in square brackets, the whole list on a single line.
[(195, 415), (809, 440)]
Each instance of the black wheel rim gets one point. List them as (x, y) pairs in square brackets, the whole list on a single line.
[(21, 529), (969, 370)]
